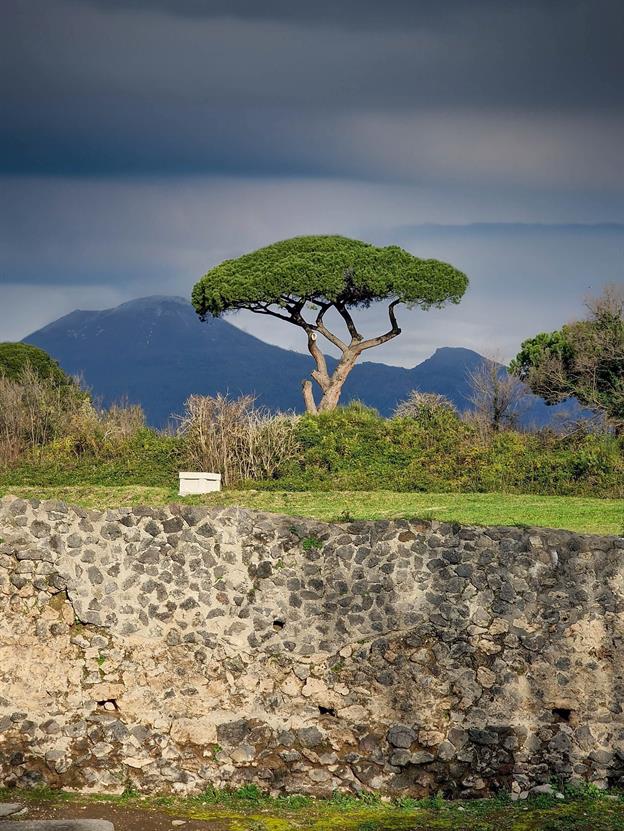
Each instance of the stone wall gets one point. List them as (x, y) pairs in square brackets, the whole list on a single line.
[(183, 647)]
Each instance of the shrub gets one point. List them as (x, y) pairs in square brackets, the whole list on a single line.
[(429, 406), (53, 430), (353, 448), (17, 357), (48, 441), (34, 410), (145, 458), (235, 438)]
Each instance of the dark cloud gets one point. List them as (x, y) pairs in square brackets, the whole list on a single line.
[(270, 88), (351, 13), (142, 141)]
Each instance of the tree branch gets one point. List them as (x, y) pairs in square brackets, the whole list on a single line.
[(346, 316), (320, 327), (392, 333), (320, 374), (259, 308), (308, 397)]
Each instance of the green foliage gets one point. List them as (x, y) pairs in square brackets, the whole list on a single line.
[(353, 448), (330, 269), (146, 458), (129, 792), (16, 357), (252, 809), (534, 350), (585, 360), (250, 794), (349, 801), (346, 450)]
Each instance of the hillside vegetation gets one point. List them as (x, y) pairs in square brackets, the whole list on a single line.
[(428, 460), (352, 449)]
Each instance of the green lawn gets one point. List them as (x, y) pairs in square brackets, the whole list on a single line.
[(599, 516)]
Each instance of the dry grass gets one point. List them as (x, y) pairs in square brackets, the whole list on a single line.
[(235, 438)]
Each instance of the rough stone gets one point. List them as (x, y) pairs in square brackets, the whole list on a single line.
[(401, 736), (7, 809), (181, 647)]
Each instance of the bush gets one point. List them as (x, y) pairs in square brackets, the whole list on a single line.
[(145, 458), (235, 438), (52, 433), (353, 448), (34, 410), (17, 357), (48, 442), (428, 406)]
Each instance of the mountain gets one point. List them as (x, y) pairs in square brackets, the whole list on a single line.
[(155, 351)]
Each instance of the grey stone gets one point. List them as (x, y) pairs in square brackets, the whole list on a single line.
[(421, 758), (265, 569), (39, 529), (9, 808), (400, 757), (399, 735), (542, 789), (602, 757), (446, 751), (233, 732), (483, 737), (310, 736), (95, 575)]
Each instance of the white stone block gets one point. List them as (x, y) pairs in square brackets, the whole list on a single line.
[(193, 483)]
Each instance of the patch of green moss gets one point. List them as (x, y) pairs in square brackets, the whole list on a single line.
[(310, 543), (250, 809)]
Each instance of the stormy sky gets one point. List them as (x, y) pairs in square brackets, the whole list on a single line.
[(143, 141)]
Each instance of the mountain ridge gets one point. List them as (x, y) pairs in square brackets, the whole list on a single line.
[(155, 351)]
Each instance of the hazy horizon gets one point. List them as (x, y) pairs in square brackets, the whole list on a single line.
[(478, 248)]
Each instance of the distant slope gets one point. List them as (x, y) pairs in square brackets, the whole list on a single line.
[(155, 351)]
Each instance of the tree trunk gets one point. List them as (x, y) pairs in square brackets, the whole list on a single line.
[(308, 397), (331, 395), (331, 385)]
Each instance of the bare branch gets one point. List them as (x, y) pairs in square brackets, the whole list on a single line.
[(320, 374), (344, 313), (319, 326), (392, 333), (496, 396), (308, 397), (262, 309)]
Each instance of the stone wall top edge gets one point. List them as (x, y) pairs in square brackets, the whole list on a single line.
[(310, 523)]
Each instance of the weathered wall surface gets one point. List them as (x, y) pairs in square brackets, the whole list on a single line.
[(183, 647)]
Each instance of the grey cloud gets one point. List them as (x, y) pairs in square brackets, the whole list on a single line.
[(142, 142), (350, 13), (80, 243), (90, 90)]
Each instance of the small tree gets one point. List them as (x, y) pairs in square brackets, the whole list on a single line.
[(289, 278), (424, 405), (584, 359), (495, 395), (16, 357)]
